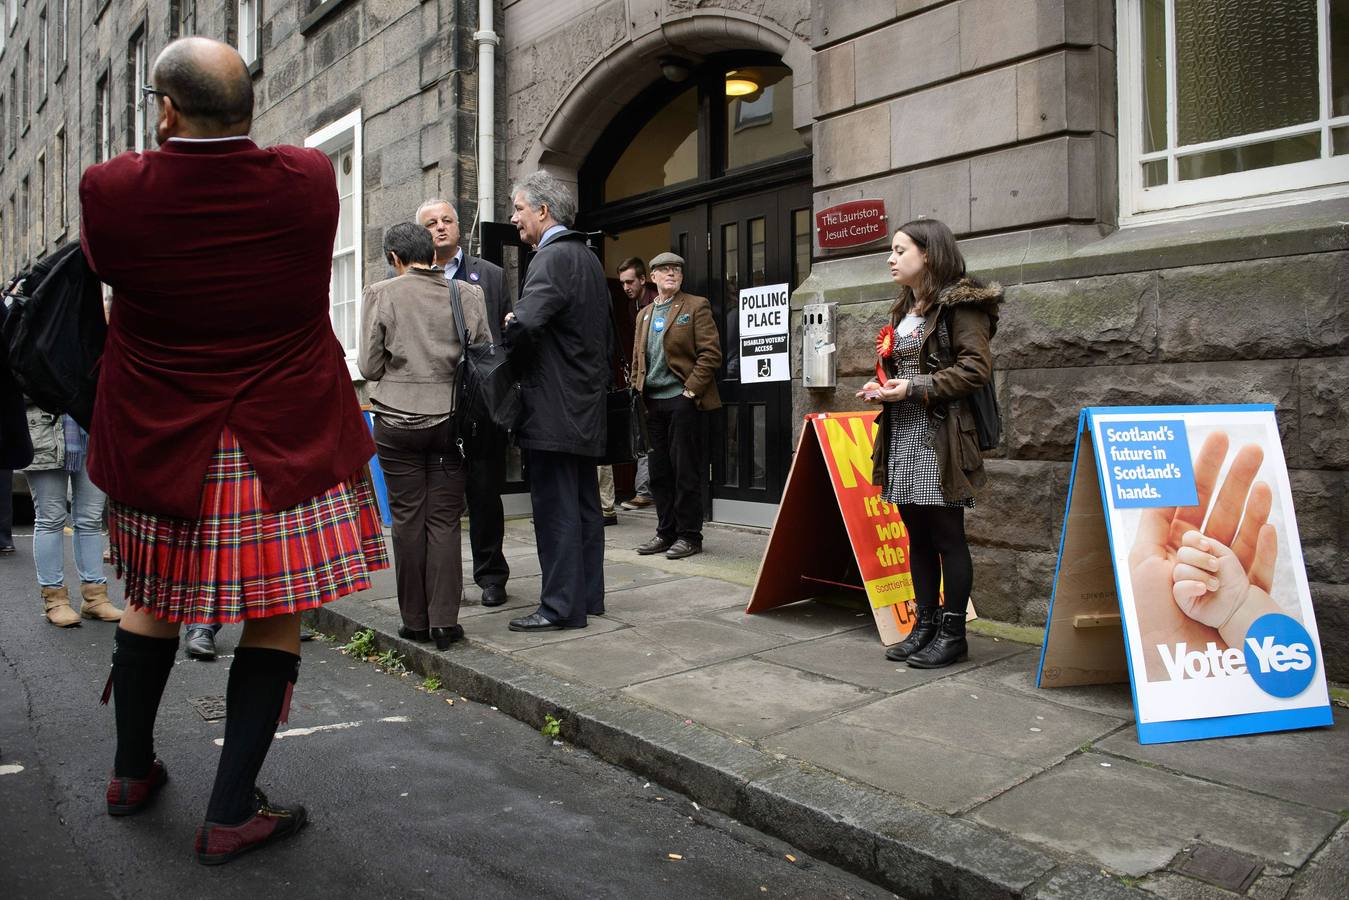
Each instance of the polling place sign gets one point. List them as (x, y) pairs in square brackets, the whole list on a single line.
[(1180, 568), (765, 315)]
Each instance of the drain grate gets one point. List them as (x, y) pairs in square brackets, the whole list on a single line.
[(1218, 866), (212, 709)]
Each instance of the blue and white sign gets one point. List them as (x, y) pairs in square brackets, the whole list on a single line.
[(1219, 633)]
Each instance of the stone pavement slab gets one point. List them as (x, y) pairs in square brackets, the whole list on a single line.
[(863, 662), (672, 598), (1135, 819), (634, 655), (1310, 766), (491, 629), (749, 697), (1017, 673), (945, 744), (803, 621)]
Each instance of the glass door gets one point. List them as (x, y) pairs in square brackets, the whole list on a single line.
[(760, 240)]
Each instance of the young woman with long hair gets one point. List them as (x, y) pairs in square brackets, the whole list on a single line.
[(933, 353)]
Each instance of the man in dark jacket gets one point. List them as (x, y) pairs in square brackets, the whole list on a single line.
[(487, 470), (559, 341)]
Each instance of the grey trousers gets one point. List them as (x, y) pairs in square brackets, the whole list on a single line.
[(426, 478)]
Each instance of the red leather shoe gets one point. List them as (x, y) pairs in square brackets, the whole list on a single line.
[(131, 795), (218, 844)]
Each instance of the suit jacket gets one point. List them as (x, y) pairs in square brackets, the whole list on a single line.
[(560, 342), (488, 276), (219, 255), (410, 348), (692, 348)]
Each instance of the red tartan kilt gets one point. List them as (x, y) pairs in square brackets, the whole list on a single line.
[(239, 559)]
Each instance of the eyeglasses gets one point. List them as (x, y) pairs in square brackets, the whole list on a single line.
[(149, 92), (661, 270)]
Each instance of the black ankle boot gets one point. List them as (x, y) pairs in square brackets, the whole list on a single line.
[(947, 647), (924, 630)]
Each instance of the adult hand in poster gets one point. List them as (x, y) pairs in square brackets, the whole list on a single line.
[(1237, 515)]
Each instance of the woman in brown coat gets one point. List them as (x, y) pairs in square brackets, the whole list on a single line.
[(933, 353)]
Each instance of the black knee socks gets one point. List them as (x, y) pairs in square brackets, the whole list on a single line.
[(140, 669), (259, 681)]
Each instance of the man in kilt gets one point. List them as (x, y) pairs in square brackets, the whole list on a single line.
[(225, 432)]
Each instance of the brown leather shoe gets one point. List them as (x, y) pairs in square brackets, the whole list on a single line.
[(56, 606), (96, 604)]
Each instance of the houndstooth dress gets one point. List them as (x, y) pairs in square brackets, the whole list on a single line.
[(914, 476)]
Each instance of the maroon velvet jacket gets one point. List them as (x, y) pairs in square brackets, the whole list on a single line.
[(219, 255)]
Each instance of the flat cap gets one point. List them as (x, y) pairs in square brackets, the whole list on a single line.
[(667, 259)]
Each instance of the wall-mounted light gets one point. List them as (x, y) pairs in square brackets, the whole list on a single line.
[(740, 83), (674, 69)]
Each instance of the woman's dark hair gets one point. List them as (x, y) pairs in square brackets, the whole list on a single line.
[(411, 242), (945, 264)]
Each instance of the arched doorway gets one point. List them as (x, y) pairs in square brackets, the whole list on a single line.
[(707, 163)]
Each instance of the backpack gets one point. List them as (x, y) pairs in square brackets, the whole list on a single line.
[(983, 403), (55, 332), (487, 393)]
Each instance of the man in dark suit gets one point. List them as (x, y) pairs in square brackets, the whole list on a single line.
[(487, 470), (560, 340)]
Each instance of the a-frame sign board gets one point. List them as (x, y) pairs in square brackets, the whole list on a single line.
[(833, 530), (1180, 570)]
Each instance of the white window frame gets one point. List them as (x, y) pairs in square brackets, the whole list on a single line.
[(347, 131), (103, 112), (248, 30), (1302, 182), (140, 75), (59, 179)]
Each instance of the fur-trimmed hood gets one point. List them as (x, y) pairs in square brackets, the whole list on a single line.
[(969, 290)]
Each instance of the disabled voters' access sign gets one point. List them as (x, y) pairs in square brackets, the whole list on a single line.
[(832, 529), (1180, 569)]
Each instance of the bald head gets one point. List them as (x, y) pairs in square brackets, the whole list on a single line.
[(208, 86)]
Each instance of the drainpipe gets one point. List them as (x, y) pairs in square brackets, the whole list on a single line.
[(487, 40)]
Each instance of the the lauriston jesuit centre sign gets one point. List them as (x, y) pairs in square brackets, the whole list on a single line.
[(852, 224)]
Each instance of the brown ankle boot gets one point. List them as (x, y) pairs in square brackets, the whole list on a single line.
[(56, 605), (96, 604)]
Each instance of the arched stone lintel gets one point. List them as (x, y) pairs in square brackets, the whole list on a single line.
[(610, 83)]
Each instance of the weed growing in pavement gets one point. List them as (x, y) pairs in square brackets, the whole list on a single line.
[(431, 684), (391, 661), (362, 644), (551, 727)]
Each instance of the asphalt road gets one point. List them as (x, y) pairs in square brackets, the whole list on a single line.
[(408, 794)]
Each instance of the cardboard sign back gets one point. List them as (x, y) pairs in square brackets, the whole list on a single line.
[(1084, 639)]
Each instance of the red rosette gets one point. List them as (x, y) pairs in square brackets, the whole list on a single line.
[(885, 342)]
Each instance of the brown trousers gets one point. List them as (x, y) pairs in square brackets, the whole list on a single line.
[(426, 477)]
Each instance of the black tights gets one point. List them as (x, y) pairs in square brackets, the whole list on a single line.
[(937, 548)]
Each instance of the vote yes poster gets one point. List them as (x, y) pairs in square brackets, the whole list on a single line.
[(1194, 516)]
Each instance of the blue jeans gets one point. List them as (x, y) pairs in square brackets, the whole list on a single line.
[(49, 488)]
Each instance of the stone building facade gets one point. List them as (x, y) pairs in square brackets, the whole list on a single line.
[(1146, 260)]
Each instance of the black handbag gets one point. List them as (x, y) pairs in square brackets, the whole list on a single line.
[(983, 403), (487, 393)]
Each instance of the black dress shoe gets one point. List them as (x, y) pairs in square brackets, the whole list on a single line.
[(446, 636), (682, 548), (200, 643), (493, 595), (420, 635), (533, 622), (657, 544), (611, 520)]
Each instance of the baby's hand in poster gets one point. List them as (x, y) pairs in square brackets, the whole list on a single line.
[(1208, 581)]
